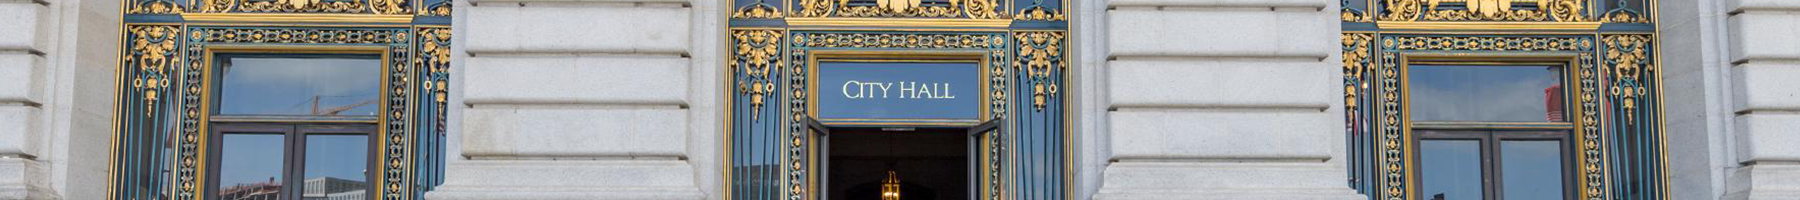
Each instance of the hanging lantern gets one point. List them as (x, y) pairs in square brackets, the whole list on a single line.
[(890, 188)]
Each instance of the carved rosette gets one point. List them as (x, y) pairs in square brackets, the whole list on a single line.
[(756, 54), (1040, 56)]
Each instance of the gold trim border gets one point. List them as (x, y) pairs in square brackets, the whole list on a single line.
[(908, 23), (296, 17), (1544, 26)]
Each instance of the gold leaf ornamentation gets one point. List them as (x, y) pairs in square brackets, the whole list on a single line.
[(1040, 56), (756, 54), (154, 7), (1627, 59), (1484, 10), (969, 9), (152, 52), (1040, 13), (757, 11)]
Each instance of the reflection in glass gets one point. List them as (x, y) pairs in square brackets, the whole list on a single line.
[(1531, 169), (250, 166), (1486, 93), (335, 167), (299, 86), (1451, 169)]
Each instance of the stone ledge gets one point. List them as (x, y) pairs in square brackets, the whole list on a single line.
[(577, 80), (1764, 86), (1228, 134), (574, 132), (1768, 137), (1221, 83), (1222, 33), (21, 27), (577, 29), (1318, 4), (1224, 180), (567, 179), (20, 75), (1742, 5), (24, 179), (17, 132), (1763, 36), (1767, 181)]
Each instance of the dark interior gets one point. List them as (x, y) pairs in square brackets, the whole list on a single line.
[(930, 163)]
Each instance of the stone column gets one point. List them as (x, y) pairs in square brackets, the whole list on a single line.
[(24, 41), (1224, 99), (1764, 59), (582, 99)]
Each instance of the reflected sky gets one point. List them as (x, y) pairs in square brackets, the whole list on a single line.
[(337, 156), (250, 159), (1531, 169), (299, 86), (1451, 168), (1485, 93)]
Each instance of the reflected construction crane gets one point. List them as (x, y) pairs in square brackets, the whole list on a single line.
[(336, 110)]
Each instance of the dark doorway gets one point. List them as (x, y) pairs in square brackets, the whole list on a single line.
[(929, 163)]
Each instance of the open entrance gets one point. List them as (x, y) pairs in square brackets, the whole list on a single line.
[(926, 163)]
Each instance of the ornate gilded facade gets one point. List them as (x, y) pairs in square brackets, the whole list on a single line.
[(1026, 68), (167, 68), (1608, 45), (998, 99)]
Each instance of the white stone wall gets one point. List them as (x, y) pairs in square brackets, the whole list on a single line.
[(56, 73), (574, 100), (1764, 57), (1733, 106), (1222, 99)]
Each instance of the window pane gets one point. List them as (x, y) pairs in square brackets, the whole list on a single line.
[(1531, 169), (299, 86), (335, 166), (250, 166), (1486, 93), (1450, 169)]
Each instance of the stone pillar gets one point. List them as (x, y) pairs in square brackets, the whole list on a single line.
[(1224, 99), (24, 40), (573, 100), (1764, 59)]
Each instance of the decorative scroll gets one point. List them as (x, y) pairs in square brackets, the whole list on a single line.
[(757, 52), (969, 9), (306, 6), (433, 45), (1040, 13), (1484, 10), (141, 143), (759, 10), (1040, 55), (1358, 62), (440, 9), (1634, 147), (1623, 12), (1355, 11), (153, 7)]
